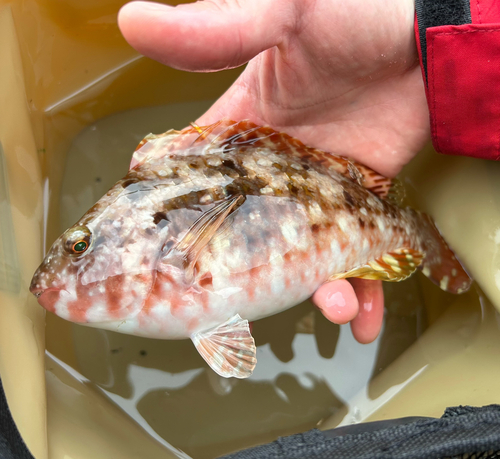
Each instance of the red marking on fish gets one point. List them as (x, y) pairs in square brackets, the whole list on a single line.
[(114, 295)]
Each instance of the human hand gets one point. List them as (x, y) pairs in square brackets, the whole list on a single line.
[(340, 76)]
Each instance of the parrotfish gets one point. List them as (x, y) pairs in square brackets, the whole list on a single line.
[(220, 225)]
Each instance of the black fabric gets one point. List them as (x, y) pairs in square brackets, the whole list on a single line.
[(11, 444), (363, 427), (433, 13), (462, 432)]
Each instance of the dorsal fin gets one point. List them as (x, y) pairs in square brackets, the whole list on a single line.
[(227, 135), (148, 147), (198, 128), (379, 185)]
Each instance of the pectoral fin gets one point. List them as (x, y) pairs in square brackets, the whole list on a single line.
[(203, 230), (229, 349), (392, 267)]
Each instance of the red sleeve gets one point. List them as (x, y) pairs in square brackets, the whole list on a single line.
[(462, 76)]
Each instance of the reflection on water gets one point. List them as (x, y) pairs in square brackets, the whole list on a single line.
[(168, 385), (235, 415), (308, 368)]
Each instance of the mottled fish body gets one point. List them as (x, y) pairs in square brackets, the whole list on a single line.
[(217, 226)]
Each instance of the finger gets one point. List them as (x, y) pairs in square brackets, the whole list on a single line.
[(337, 301), (367, 324), (206, 35)]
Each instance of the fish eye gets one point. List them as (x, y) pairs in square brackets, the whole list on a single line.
[(80, 246), (77, 240)]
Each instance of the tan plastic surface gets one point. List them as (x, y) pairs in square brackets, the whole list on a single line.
[(21, 320), (463, 197), (448, 366)]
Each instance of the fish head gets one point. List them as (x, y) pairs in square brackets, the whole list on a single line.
[(103, 268)]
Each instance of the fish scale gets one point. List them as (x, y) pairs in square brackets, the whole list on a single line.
[(220, 225)]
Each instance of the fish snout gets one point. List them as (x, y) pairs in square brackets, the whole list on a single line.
[(42, 286)]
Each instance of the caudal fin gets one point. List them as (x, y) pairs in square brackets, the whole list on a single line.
[(440, 264)]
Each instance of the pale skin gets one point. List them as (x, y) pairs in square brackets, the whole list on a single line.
[(341, 75)]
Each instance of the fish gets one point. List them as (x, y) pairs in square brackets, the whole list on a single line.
[(215, 227)]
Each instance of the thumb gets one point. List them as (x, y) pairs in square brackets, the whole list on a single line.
[(206, 35)]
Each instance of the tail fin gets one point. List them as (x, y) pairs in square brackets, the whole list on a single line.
[(440, 264)]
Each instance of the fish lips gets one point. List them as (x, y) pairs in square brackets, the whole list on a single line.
[(47, 298)]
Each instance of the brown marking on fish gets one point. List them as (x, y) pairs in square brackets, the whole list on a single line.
[(130, 181), (206, 281), (349, 199), (159, 216)]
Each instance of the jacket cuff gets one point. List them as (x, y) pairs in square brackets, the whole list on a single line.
[(459, 50)]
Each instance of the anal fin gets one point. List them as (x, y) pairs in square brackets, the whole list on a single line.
[(229, 349), (394, 266)]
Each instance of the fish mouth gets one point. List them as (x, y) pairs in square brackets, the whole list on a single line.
[(39, 291), (46, 297)]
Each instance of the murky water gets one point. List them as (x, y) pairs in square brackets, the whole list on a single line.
[(308, 368)]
